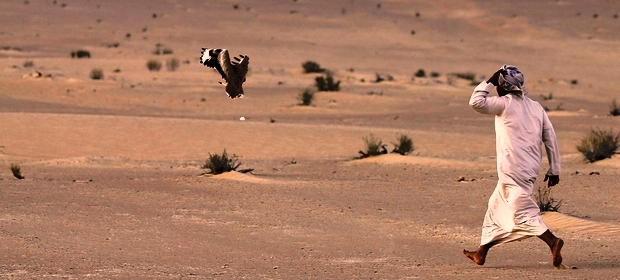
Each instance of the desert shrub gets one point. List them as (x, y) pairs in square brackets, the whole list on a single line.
[(80, 54), (172, 64), (17, 171), (218, 164), (614, 109), (96, 74), (420, 74), (434, 74), (306, 97), (599, 144), (153, 65), (466, 75), (404, 145), (373, 145), (546, 203), (28, 63), (326, 83), (312, 67)]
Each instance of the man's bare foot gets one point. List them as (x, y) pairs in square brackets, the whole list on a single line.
[(556, 252), (476, 256)]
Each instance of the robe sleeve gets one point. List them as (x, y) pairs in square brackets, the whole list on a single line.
[(480, 101), (551, 146)]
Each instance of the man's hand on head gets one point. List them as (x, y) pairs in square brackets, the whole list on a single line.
[(494, 78), (553, 180)]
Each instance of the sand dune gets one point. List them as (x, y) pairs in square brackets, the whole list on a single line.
[(580, 226)]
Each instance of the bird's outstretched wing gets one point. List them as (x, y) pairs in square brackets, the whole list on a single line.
[(233, 72)]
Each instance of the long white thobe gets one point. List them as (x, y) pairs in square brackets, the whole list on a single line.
[(521, 128)]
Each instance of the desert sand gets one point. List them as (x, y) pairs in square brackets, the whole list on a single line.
[(113, 185)]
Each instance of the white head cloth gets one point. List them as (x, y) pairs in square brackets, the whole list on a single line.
[(512, 80)]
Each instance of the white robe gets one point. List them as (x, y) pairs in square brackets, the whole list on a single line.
[(521, 128)]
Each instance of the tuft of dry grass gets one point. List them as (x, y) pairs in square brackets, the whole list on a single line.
[(172, 64), (306, 97), (17, 171), (614, 109), (404, 145), (153, 65), (312, 67), (326, 83), (546, 202), (218, 164), (599, 144), (96, 74), (373, 145)]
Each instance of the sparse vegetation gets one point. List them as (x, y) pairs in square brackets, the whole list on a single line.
[(546, 203), (306, 97), (218, 164), (599, 144), (547, 97), (161, 50), (434, 74), (17, 172), (28, 63), (466, 75), (420, 74), (404, 145), (172, 64), (96, 74), (614, 108), (153, 65), (80, 54), (312, 67), (380, 78), (326, 83), (374, 146)]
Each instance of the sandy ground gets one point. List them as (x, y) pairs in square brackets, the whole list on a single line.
[(113, 185)]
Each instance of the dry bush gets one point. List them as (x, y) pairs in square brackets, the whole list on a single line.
[(326, 83), (614, 109), (153, 65), (16, 169), (373, 145), (546, 203), (306, 97), (96, 74), (28, 63), (218, 164), (172, 64), (420, 74), (404, 145), (312, 67), (599, 144)]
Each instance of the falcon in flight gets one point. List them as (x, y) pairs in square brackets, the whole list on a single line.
[(233, 72)]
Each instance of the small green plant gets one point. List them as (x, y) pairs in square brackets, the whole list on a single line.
[(17, 171), (374, 147), (404, 145), (546, 203), (312, 67), (599, 144), (306, 97), (153, 65), (172, 64), (96, 74), (326, 83), (614, 108), (218, 164)]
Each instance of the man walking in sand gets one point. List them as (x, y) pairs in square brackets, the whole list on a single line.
[(521, 128)]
